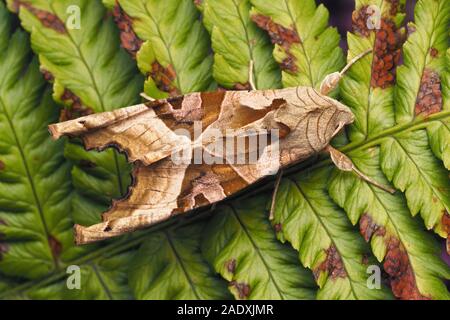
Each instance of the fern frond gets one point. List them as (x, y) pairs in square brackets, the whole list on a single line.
[(325, 240), (409, 255), (306, 48), (175, 55), (169, 265), (35, 226), (90, 73), (236, 41), (240, 244)]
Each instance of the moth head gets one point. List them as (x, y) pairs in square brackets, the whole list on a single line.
[(341, 116), (345, 113)]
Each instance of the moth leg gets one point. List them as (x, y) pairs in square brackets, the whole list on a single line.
[(274, 195), (251, 79), (331, 81), (344, 163)]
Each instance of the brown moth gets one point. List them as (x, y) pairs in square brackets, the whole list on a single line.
[(163, 139)]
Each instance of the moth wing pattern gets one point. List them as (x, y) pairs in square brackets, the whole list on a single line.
[(150, 134)]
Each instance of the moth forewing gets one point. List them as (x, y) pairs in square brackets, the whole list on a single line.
[(165, 139)]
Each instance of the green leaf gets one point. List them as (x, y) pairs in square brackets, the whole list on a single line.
[(35, 224), (103, 279), (439, 132), (90, 74), (176, 52), (236, 40), (169, 265), (395, 238), (439, 136), (446, 82), (305, 47), (424, 54), (367, 87), (239, 243), (325, 240), (409, 163), (407, 160)]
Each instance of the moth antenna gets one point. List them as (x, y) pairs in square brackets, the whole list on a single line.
[(331, 81), (274, 195), (354, 60), (251, 81), (146, 97), (344, 163)]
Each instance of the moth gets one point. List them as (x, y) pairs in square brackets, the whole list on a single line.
[(195, 150)]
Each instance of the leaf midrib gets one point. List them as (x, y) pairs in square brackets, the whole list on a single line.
[(397, 231), (369, 98), (30, 180), (424, 176), (250, 48), (418, 123), (100, 98), (319, 219), (257, 250), (425, 59), (167, 46), (308, 59), (101, 281), (181, 263)]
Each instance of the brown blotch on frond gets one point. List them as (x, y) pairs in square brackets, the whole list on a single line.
[(128, 38), (429, 98), (48, 19)]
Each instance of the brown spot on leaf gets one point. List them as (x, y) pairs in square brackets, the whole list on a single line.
[(128, 38), (365, 259), (388, 42), (359, 21), (76, 110), (282, 36), (87, 164), (395, 7), (164, 78), (55, 247), (288, 64), (333, 265), (397, 266), (396, 262), (48, 19), (2, 165), (243, 289), (231, 265), (48, 76), (434, 52), (429, 98), (368, 228), (278, 227), (387, 51), (242, 86)]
